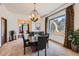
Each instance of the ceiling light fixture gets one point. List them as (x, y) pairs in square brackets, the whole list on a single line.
[(34, 14)]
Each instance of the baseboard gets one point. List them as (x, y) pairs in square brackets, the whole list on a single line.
[(56, 42)]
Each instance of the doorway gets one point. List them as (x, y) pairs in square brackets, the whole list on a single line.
[(3, 31)]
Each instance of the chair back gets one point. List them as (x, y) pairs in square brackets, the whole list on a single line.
[(23, 39), (31, 34), (41, 33), (42, 42), (47, 34)]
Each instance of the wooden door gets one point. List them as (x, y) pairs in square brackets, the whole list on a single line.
[(3, 30)]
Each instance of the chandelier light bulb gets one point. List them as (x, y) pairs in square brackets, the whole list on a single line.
[(34, 14)]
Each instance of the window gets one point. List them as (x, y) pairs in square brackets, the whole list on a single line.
[(57, 24)]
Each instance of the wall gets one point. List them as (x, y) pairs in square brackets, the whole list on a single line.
[(33, 26), (11, 20), (41, 21), (0, 32), (76, 17), (25, 22)]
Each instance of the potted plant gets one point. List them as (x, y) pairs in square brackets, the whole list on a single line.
[(74, 37)]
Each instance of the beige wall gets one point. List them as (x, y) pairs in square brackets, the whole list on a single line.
[(25, 22), (42, 24), (76, 17), (0, 32), (11, 20)]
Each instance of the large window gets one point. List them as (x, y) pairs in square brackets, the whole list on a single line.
[(57, 24)]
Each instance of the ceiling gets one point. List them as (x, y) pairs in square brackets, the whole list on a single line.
[(26, 8)]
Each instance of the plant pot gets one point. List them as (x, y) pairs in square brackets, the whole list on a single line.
[(75, 47)]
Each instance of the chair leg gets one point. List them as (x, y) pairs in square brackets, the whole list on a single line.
[(47, 45), (38, 53), (45, 51), (24, 50)]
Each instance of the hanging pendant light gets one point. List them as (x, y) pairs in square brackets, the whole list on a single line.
[(34, 14)]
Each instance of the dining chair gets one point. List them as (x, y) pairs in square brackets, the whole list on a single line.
[(27, 43), (47, 34), (42, 43)]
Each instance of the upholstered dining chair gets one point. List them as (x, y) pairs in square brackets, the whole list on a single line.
[(42, 40), (27, 43), (47, 34)]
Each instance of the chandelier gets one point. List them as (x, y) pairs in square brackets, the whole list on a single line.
[(34, 14)]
